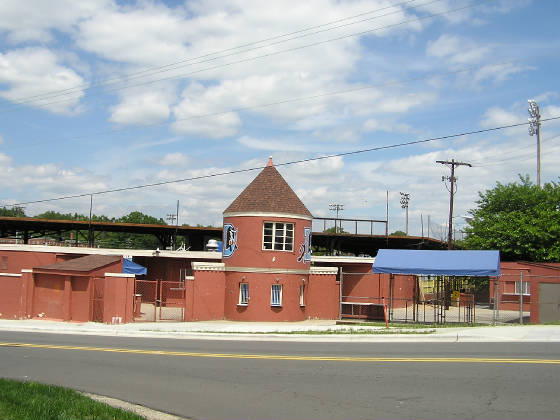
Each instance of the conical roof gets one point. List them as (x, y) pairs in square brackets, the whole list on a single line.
[(268, 193)]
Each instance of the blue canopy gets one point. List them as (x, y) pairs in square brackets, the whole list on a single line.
[(130, 267), (449, 263)]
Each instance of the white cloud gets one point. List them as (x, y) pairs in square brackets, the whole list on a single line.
[(460, 53), (35, 20), (150, 34), (272, 144), (32, 72), (173, 159), (142, 107), (372, 124), (496, 116), (458, 50), (201, 113)]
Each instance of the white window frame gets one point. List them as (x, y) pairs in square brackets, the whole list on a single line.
[(276, 295), (526, 288), (243, 294), (276, 236), (302, 295)]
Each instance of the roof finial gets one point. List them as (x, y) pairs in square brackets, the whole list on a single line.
[(270, 161)]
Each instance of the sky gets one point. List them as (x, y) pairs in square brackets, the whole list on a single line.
[(98, 95)]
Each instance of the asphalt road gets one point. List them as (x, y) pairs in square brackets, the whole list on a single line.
[(290, 380)]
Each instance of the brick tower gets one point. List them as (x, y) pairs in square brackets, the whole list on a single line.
[(266, 251)]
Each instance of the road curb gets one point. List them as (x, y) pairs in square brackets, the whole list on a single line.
[(146, 412)]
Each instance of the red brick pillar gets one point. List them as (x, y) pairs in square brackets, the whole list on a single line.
[(67, 302), (28, 285)]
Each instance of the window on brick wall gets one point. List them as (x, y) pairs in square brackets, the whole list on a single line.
[(243, 293), (276, 295), (526, 288), (278, 236), (4, 263), (301, 295)]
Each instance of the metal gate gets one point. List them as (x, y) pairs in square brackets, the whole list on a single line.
[(171, 301), (157, 300), (145, 300)]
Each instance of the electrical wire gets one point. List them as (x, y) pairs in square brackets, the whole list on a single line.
[(163, 68), (245, 60), (238, 171), (513, 157), (276, 103)]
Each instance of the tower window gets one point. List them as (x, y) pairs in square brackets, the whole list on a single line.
[(276, 295), (243, 293), (278, 236)]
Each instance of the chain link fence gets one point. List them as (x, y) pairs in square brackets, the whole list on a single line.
[(171, 301), (156, 300), (145, 300), (441, 299), (511, 298)]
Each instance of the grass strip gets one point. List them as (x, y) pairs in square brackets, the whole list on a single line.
[(348, 331), (32, 401)]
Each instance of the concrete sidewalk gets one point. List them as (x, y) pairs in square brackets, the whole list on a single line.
[(312, 330)]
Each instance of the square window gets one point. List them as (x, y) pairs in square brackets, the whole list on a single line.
[(276, 295), (278, 236), (526, 288)]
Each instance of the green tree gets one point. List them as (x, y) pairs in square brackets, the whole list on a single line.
[(132, 240), (140, 218), (12, 212), (337, 229), (398, 233), (55, 215), (519, 219)]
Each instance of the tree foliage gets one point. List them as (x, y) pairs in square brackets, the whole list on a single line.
[(519, 219), (12, 212), (111, 239), (335, 229), (398, 233)]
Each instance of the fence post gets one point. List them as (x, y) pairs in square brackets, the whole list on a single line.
[(495, 280), (340, 294), (497, 301), (406, 311), (521, 297), (391, 278)]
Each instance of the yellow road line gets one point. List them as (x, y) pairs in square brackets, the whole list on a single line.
[(290, 357)]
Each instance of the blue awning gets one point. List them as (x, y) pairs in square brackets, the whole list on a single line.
[(448, 263), (130, 267)]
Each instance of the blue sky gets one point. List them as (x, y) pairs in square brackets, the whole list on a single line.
[(98, 95)]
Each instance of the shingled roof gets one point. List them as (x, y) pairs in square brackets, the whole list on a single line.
[(268, 193), (83, 264)]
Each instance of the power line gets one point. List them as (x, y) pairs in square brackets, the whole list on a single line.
[(245, 60), (283, 101), (237, 171), (509, 157), (452, 164), (154, 70)]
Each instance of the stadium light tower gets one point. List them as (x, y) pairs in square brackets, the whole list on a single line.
[(405, 197), (336, 207), (535, 128)]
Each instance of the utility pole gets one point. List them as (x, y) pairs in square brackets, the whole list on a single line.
[(405, 197), (451, 180), (90, 229), (535, 128), (172, 218), (336, 207)]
